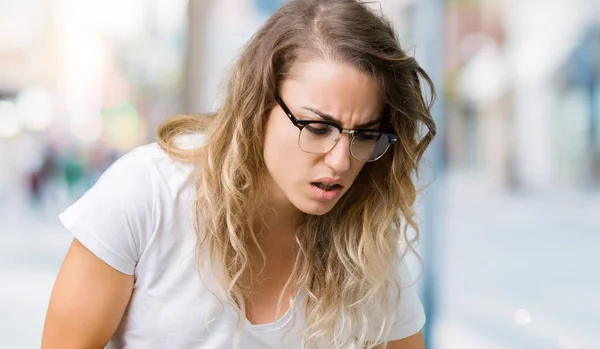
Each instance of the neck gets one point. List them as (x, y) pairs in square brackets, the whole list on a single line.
[(277, 219), (276, 227)]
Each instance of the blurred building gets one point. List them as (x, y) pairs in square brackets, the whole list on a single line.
[(87, 79), (506, 113), (578, 112)]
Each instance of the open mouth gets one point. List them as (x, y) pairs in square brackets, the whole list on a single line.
[(327, 187)]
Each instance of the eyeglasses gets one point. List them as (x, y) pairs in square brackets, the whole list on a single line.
[(319, 137)]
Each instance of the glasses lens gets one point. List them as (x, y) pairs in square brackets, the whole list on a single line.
[(318, 138), (369, 146)]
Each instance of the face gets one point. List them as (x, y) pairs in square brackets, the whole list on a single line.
[(301, 181)]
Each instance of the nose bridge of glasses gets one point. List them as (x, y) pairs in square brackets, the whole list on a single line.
[(343, 131), (337, 139)]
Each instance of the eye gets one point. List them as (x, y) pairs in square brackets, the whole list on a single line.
[(366, 136), (319, 129)]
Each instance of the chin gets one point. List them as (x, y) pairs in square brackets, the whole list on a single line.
[(316, 208), (318, 212)]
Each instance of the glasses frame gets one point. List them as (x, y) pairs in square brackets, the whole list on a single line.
[(300, 124)]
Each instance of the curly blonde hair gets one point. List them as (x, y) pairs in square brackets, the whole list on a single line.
[(347, 258)]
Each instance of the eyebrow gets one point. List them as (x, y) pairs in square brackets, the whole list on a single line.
[(331, 119)]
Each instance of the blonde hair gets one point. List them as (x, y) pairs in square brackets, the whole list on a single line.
[(347, 258)]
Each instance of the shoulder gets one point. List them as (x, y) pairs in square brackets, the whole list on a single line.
[(118, 216), (146, 170)]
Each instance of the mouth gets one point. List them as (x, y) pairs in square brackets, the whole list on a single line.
[(326, 186), (325, 192)]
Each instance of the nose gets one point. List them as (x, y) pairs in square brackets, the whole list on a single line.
[(338, 158)]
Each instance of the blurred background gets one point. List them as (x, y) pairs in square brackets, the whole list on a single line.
[(511, 225)]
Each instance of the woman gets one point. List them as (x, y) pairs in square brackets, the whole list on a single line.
[(280, 229)]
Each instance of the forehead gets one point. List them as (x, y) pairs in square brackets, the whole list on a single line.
[(334, 88)]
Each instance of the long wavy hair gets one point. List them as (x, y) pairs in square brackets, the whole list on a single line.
[(347, 259)]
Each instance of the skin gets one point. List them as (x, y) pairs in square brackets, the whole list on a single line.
[(90, 297), (415, 341), (87, 302), (339, 90)]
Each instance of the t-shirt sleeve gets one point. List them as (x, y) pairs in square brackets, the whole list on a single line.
[(410, 316), (114, 218)]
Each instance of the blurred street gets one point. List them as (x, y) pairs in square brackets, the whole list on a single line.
[(501, 253), (32, 246), (504, 253)]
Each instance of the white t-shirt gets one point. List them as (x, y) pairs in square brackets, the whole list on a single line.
[(138, 219)]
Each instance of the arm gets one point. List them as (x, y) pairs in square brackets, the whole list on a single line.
[(87, 302), (415, 341)]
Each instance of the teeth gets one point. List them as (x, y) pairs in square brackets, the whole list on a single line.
[(325, 186)]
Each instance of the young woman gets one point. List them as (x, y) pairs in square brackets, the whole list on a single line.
[(279, 227)]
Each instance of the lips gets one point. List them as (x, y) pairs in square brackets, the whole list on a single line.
[(326, 192), (326, 189)]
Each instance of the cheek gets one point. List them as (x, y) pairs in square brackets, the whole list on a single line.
[(355, 169), (284, 159)]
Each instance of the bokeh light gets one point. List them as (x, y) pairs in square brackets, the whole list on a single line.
[(522, 317)]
